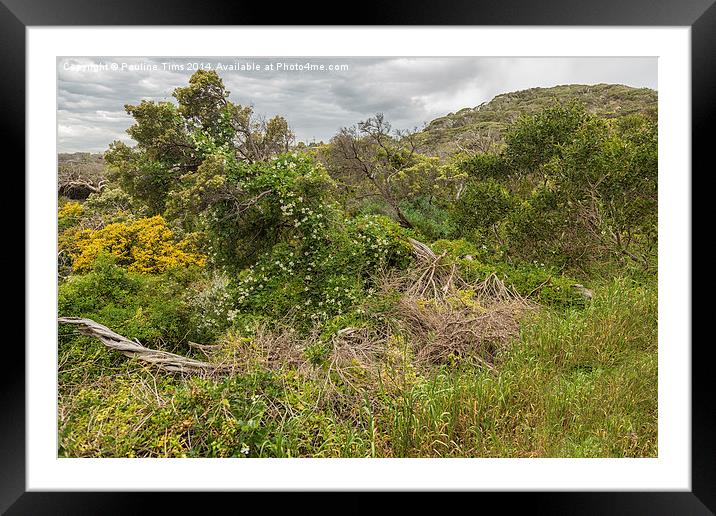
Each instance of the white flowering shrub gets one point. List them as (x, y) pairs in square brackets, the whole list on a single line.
[(286, 246), (211, 306), (245, 209), (322, 275)]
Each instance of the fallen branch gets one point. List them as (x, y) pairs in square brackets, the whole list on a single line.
[(422, 251), (161, 359)]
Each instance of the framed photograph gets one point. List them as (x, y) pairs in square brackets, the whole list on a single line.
[(426, 250)]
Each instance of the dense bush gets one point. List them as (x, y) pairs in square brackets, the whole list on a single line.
[(245, 209), (567, 188), (140, 306), (540, 228), (482, 166), (534, 141), (68, 215), (112, 203), (325, 276), (142, 245), (480, 210), (431, 219)]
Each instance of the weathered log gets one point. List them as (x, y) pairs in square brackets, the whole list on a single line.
[(422, 251), (161, 359)]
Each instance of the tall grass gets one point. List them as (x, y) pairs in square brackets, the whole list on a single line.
[(577, 384)]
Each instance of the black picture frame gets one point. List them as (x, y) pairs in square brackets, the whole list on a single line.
[(700, 15)]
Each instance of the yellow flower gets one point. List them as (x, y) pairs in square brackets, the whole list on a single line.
[(143, 245), (70, 210)]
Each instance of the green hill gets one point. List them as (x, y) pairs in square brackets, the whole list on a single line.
[(479, 126)]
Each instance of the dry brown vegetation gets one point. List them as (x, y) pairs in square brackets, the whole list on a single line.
[(439, 318)]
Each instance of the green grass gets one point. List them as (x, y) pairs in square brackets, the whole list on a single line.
[(577, 383)]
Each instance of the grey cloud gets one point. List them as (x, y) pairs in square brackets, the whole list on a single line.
[(409, 90)]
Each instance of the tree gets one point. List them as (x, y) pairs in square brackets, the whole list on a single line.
[(481, 208), (608, 174), (174, 139), (533, 141), (388, 162), (246, 208), (598, 192)]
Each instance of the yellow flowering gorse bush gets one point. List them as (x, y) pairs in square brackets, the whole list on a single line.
[(143, 245), (69, 215), (70, 210)]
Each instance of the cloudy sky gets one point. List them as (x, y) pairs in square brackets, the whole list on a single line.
[(317, 102)]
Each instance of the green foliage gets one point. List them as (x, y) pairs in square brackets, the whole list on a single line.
[(173, 140), (599, 196), (293, 262), (539, 229), (146, 180), (245, 209), (202, 104), (321, 276), (535, 140), (541, 283), (210, 305), (150, 308), (609, 173), (482, 206), (580, 383), (597, 399), (204, 418), (418, 176), (484, 165), (430, 218), (112, 203)]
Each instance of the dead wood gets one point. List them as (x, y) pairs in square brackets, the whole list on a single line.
[(161, 359), (446, 316)]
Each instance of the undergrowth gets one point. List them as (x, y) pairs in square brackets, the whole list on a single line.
[(579, 382)]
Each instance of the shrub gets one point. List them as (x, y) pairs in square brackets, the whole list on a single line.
[(323, 275), (484, 166), (432, 219), (544, 284), (143, 245), (113, 202), (245, 209), (69, 216), (480, 210), (532, 141), (150, 308), (210, 305), (542, 228)]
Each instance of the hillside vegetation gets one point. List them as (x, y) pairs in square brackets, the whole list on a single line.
[(226, 293), (481, 126)]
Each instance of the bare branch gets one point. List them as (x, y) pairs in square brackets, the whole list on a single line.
[(161, 359)]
